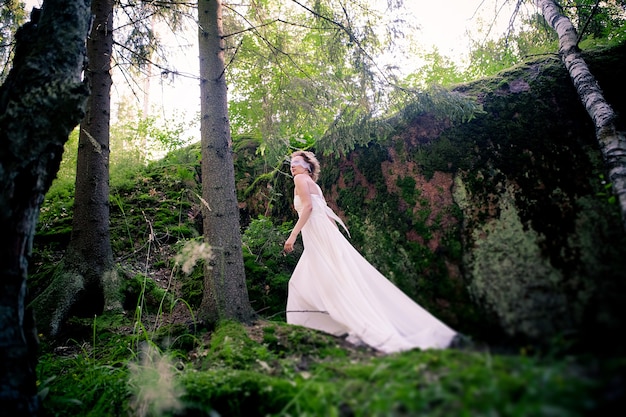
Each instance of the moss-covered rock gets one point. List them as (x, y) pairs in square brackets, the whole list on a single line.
[(501, 226)]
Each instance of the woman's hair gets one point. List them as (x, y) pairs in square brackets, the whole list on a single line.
[(310, 158)]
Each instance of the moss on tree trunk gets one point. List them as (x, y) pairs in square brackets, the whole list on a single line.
[(41, 101)]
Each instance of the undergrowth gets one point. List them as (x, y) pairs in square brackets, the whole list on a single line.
[(271, 368), (155, 360)]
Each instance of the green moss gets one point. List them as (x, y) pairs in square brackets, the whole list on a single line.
[(192, 286), (446, 154), (503, 278), (368, 162), (231, 347), (309, 373), (141, 291), (56, 300), (600, 299), (176, 337), (408, 192), (236, 393), (267, 269)]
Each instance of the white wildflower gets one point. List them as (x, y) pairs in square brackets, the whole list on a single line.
[(191, 253)]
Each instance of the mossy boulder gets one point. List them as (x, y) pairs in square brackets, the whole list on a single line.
[(501, 226)]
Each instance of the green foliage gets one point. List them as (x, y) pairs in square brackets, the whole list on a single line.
[(437, 70), (535, 38), (143, 293), (66, 175), (86, 376), (132, 142), (82, 386), (439, 102), (268, 269), (192, 286), (603, 22), (138, 138), (408, 192), (309, 73), (166, 134), (125, 163), (12, 15), (606, 191), (359, 129), (490, 58), (135, 30), (231, 347)]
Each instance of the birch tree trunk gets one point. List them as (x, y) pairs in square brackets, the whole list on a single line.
[(225, 293), (612, 142), (41, 101)]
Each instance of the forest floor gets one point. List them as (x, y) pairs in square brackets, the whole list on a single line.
[(100, 367)]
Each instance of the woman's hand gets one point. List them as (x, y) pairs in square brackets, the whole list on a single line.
[(288, 247), (301, 182)]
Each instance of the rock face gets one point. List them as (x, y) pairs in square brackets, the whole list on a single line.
[(543, 246), (502, 226)]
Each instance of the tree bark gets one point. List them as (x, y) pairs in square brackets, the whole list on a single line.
[(41, 101), (612, 142), (85, 282), (225, 293)]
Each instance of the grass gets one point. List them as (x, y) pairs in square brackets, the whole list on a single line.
[(274, 369)]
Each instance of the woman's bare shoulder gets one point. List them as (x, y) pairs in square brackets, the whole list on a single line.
[(303, 184), (302, 178)]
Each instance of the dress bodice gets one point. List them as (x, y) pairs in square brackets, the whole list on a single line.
[(315, 198), (320, 208)]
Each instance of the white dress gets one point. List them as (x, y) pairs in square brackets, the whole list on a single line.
[(335, 290)]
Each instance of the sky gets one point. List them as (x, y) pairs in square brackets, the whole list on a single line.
[(443, 24)]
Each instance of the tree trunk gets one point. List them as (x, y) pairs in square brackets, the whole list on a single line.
[(612, 142), (85, 282), (41, 101), (225, 293)]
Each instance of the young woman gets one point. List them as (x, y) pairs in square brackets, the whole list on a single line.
[(334, 289)]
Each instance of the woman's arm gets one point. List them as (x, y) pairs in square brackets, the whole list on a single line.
[(302, 190)]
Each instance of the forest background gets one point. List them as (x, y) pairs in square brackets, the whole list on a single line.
[(490, 58)]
